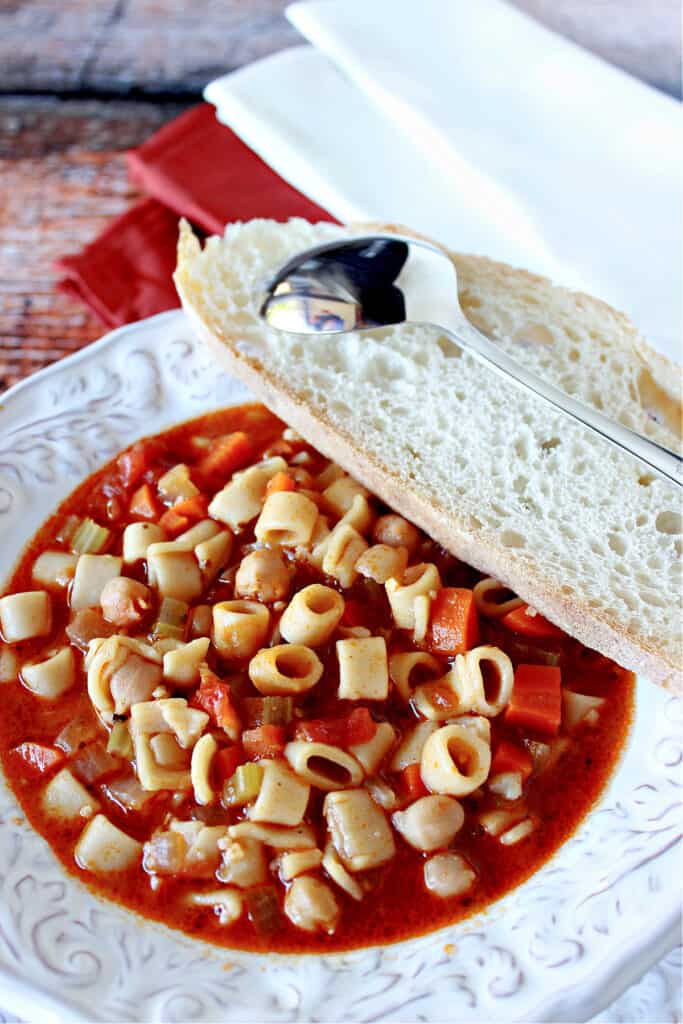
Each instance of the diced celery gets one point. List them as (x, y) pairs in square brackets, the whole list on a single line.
[(264, 911), (277, 710), (266, 710), (244, 785), (172, 617), (119, 742), (90, 538), (67, 529)]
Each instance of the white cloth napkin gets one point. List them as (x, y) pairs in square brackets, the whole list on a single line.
[(474, 124)]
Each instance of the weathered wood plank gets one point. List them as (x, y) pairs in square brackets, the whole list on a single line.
[(119, 45), (63, 178), (176, 46)]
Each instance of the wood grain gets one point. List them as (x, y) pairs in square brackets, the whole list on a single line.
[(147, 45), (63, 178), (171, 46)]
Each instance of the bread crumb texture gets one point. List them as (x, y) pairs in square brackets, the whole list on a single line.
[(578, 529)]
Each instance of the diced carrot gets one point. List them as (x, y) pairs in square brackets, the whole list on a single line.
[(347, 731), (214, 697), (536, 701), (280, 482), (532, 626), (454, 622), (38, 757), (132, 464), (265, 741), (173, 523), (508, 757), (354, 613), (412, 786), (144, 504), (226, 454), (225, 762), (192, 508)]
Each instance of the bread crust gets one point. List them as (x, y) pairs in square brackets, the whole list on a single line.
[(593, 628)]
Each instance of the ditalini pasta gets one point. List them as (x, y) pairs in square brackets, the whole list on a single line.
[(245, 698)]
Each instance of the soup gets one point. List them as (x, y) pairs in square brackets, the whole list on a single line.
[(243, 697)]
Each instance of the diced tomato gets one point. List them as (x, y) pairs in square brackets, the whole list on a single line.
[(225, 455), (132, 464), (536, 701), (173, 523), (265, 741), (354, 613), (412, 786), (532, 626), (454, 622), (349, 731), (144, 504), (38, 757), (280, 482), (225, 762), (214, 697), (281, 447), (192, 508), (508, 757)]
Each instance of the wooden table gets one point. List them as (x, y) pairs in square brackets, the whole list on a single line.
[(82, 81)]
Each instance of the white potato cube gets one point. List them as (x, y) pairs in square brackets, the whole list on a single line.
[(372, 753), (197, 534), (297, 862), (9, 664), (244, 863), (360, 832), (103, 847), (66, 799), (282, 797), (363, 669), (24, 616), (181, 666), (240, 500), (174, 572), (409, 750), (137, 538), (54, 569), (52, 677), (213, 554), (92, 573)]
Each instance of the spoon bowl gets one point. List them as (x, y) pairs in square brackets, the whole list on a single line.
[(372, 281)]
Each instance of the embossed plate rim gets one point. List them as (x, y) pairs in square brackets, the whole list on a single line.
[(580, 988)]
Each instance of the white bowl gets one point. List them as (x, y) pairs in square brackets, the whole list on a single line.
[(560, 947)]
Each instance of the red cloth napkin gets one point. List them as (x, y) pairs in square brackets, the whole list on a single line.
[(194, 167)]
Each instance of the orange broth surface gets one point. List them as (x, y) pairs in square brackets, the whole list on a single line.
[(397, 904)]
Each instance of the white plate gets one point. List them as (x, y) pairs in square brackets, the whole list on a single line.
[(560, 947)]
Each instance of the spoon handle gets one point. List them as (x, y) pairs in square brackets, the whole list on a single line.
[(660, 460)]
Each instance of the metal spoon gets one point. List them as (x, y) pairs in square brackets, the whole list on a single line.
[(372, 281)]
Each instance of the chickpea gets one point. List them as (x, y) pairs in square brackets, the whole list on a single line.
[(430, 823), (311, 905), (397, 532), (124, 601), (263, 575), (448, 874)]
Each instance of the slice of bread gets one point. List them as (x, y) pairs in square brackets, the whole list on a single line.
[(581, 531)]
